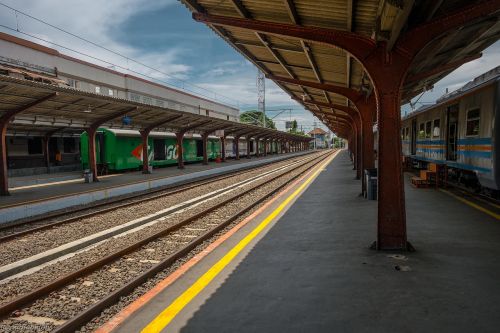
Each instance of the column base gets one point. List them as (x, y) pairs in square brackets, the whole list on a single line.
[(408, 247)]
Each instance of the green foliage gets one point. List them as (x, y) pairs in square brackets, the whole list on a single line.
[(295, 129), (256, 118)]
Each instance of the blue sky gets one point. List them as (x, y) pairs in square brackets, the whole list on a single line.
[(162, 35)]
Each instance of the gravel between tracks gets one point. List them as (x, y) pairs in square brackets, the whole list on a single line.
[(41, 241), (68, 301)]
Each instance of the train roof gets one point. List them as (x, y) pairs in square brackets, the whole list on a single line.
[(135, 133), (478, 82)]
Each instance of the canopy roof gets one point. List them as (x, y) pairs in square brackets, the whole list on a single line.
[(382, 20), (47, 109)]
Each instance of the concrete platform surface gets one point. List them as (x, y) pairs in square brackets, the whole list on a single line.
[(314, 272), (34, 200)]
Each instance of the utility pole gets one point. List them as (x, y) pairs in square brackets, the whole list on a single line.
[(261, 88), (314, 134)]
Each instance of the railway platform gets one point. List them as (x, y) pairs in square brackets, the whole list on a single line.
[(43, 197), (303, 264)]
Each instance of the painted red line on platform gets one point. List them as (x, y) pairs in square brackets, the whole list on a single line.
[(120, 317)]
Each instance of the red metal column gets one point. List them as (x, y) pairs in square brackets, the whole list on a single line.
[(387, 68), (180, 150), (223, 148), (204, 138), (145, 153)]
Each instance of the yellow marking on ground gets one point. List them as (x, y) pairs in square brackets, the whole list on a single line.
[(473, 205), (167, 315), (482, 200)]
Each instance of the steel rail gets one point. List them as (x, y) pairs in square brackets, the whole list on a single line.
[(86, 315), (170, 191), (38, 293)]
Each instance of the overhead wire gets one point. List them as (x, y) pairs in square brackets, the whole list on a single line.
[(127, 58)]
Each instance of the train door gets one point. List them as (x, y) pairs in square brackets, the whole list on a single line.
[(100, 148), (452, 133), (159, 149), (413, 137), (199, 148)]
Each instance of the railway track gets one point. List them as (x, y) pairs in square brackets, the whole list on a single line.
[(17, 229), (132, 265), (34, 250)]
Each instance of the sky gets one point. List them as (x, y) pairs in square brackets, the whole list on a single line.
[(176, 50)]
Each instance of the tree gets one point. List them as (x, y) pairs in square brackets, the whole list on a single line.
[(256, 118)]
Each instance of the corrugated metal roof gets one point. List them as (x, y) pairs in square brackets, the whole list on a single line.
[(73, 109), (380, 19)]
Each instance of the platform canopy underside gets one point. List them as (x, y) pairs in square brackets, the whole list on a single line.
[(60, 110), (381, 20)]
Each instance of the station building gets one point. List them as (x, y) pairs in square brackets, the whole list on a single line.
[(23, 59)]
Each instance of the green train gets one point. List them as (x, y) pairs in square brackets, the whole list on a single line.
[(119, 150)]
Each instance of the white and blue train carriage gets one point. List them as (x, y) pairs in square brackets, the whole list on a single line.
[(462, 131)]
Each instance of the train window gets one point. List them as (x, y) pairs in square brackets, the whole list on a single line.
[(428, 128), (402, 134), (421, 131), (97, 89), (472, 122), (436, 132), (407, 133)]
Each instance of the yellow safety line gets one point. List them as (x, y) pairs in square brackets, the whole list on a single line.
[(167, 315), (473, 205), (486, 202)]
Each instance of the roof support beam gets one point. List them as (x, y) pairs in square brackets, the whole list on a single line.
[(329, 105), (183, 130), (292, 11), (161, 122), (401, 19), (350, 93), (275, 46), (438, 70)]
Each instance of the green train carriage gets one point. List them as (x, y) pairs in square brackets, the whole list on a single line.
[(121, 150)]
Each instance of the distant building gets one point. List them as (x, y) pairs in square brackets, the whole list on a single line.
[(320, 137), (27, 60)]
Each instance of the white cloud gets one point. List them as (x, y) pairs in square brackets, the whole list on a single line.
[(95, 21)]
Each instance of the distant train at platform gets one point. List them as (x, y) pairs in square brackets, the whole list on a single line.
[(461, 131), (121, 150)]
